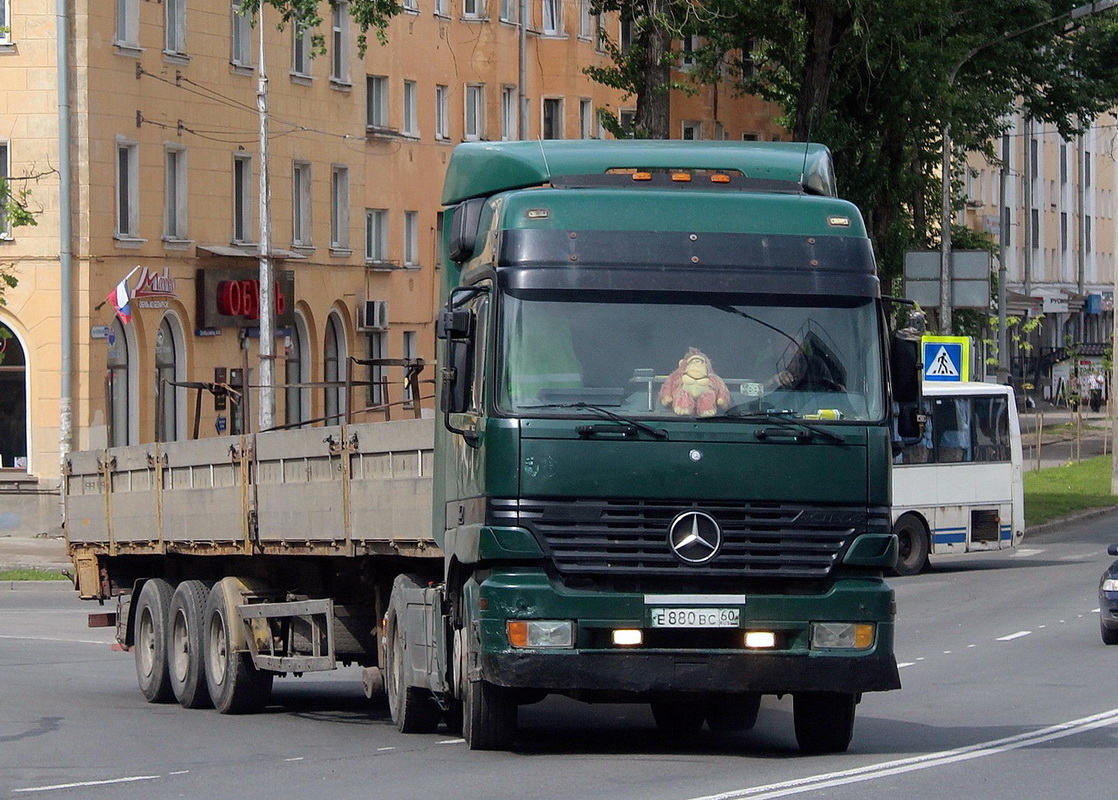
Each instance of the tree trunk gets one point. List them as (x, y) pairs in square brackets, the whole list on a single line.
[(653, 118), (826, 26)]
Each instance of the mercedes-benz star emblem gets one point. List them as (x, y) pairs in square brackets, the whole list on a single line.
[(695, 537)]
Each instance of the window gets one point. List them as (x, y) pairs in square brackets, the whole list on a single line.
[(5, 22), (410, 354), (174, 194), (297, 370), (585, 20), (376, 235), (411, 5), (339, 44), (552, 17), (1063, 231), (5, 174), (242, 198), (750, 137), (378, 373), (552, 118), (301, 204), (508, 10), (1034, 219), (127, 23), (625, 35), (334, 371), (585, 119), (1087, 168), (168, 369), (691, 130), (120, 391), (475, 112), (376, 101), (13, 400), (442, 8), (442, 112), (1087, 234), (301, 48), (1063, 163), (339, 207), (411, 113), (242, 37), (174, 32), (411, 238), (510, 119), (127, 190), (472, 9)]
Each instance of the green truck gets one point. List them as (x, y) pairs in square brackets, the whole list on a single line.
[(659, 471)]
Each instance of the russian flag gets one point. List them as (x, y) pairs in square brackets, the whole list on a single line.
[(119, 299)]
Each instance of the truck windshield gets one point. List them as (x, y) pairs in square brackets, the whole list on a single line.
[(691, 357)]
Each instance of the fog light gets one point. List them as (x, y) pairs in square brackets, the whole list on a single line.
[(541, 633), (627, 637), (841, 635), (760, 639)]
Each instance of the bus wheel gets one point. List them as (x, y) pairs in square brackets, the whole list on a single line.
[(912, 545), (824, 721), (150, 640)]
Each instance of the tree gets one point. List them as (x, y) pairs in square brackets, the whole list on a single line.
[(876, 81), (304, 14)]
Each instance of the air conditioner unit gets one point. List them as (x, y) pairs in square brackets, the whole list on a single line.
[(373, 315)]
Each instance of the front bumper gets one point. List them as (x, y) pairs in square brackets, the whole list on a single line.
[(693, 660)]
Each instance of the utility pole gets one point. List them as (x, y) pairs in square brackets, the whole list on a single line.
[(267, 342)]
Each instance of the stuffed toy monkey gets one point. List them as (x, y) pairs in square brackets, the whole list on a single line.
[(693, 389)]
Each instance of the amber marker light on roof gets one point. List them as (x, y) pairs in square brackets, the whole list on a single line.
[(681, 177), (642, 176), (719, 178)]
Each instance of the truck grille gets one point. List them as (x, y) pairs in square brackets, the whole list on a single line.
[(625, 537)]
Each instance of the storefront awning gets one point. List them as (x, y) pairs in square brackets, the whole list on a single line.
[(248, 251)]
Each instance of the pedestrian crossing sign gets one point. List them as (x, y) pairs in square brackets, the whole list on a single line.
[(946, 358)]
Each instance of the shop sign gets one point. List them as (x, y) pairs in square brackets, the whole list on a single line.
[(154, 290), (230, 298)]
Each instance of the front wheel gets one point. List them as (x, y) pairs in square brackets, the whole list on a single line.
[(236, 685), (824, 721), (912, 545), (731, 713), (678, 714), (488, 716)]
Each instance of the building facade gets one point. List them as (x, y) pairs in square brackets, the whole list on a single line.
[(1057, 210), (166, 150)]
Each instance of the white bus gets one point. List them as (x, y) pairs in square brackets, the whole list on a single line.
[(959, 489)]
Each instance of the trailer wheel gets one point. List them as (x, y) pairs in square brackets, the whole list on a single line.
[(679, 714), (912, 545), (413, 708), (824, 721), (731, 713), (150, 640), (186, 645), (236, 686), (488, 716)]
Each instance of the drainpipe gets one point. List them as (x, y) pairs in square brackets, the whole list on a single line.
[(65, 233)]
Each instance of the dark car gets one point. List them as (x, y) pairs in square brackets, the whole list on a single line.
[(1108, 600)]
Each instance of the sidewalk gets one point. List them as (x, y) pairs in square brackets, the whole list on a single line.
[(39, 552)]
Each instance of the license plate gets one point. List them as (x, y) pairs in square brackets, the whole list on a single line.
[(694, 617)]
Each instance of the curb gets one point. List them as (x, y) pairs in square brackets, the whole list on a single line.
[(1051, 525)]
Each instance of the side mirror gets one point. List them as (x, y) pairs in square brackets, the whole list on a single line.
[(455, 324), (463, 234), (905, 368), (457, 376)]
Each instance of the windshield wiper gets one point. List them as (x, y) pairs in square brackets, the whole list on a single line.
[(785, 419), (605, 413)]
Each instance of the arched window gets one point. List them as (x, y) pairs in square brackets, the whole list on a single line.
[(118, 386), (334, 370), (168, 366), (13, 401), (297, 403)]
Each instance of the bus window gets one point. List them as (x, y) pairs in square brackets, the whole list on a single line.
[(991, 429), (951, 429)]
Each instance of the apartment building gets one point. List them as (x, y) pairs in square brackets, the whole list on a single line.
[(166, 153), (1058, 212)]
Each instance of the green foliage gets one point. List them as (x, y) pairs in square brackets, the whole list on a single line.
[(1061, 491), (32, 575), (369, 15)]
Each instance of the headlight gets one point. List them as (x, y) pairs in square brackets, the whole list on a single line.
[(841, 635), (541, 633), (1109, 585)]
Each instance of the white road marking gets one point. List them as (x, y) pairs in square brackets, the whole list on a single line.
[(54, 639), (901, 766), (452, 741), (295, 758), (1026, 552), (905, 664), (80, 784), (1013, 636)]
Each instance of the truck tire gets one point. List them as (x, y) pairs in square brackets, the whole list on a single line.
[(236, 685), (186, 645), (150, 641), (912, 545), (731, 713), (413, 708), (679, 714), (488, 716), (824, 721)]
